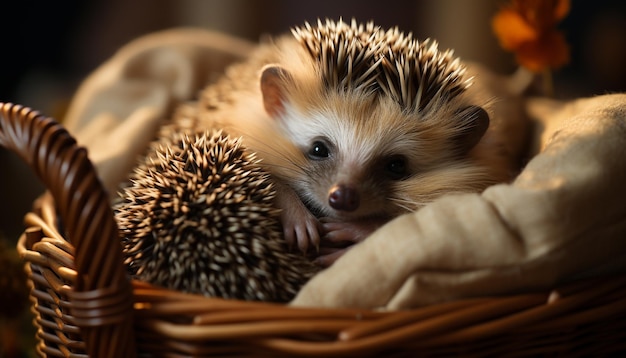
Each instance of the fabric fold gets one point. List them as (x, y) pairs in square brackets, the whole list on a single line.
[(118, 108)]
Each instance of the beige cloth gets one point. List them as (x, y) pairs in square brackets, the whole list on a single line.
[(562, 218), (118, 108)]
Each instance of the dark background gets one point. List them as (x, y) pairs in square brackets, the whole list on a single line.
[(48, 47)]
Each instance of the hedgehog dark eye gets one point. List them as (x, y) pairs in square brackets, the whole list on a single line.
[(319, 150), (396, 167)]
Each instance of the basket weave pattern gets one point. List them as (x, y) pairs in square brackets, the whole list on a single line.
[(85, 305)]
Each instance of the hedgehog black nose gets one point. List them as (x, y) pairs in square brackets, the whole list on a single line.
[(343, 197)]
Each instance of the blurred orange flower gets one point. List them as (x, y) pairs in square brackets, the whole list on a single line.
[(528, 29)]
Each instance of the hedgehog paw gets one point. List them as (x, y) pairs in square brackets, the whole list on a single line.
[(300, 227)]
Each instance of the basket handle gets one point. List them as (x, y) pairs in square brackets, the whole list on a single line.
[(101, 301)]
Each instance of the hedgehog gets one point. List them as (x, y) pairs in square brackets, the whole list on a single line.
[(198, 216), (358, 125)]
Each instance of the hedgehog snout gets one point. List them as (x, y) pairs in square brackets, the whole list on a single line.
[(344, 197)]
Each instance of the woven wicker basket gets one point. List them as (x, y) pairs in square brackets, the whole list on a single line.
[(85, 305)]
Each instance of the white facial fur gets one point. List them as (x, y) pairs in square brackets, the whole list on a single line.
[(359, 145)]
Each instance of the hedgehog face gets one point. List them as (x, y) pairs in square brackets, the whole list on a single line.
[(357, 150), (376, 114), (341, 185), (365, 156)]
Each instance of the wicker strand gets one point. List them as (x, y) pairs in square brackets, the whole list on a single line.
[(83, 205)]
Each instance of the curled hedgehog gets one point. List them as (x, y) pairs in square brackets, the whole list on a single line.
[(198, 216), (358, 125)]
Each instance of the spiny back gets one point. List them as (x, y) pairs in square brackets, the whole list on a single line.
[(365, 57), (347, 54)]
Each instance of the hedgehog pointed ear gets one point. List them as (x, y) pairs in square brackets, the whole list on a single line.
[(273, 81), (476, 122)]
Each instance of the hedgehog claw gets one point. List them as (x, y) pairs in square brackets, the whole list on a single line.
[(306, 228), (300, 227)]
